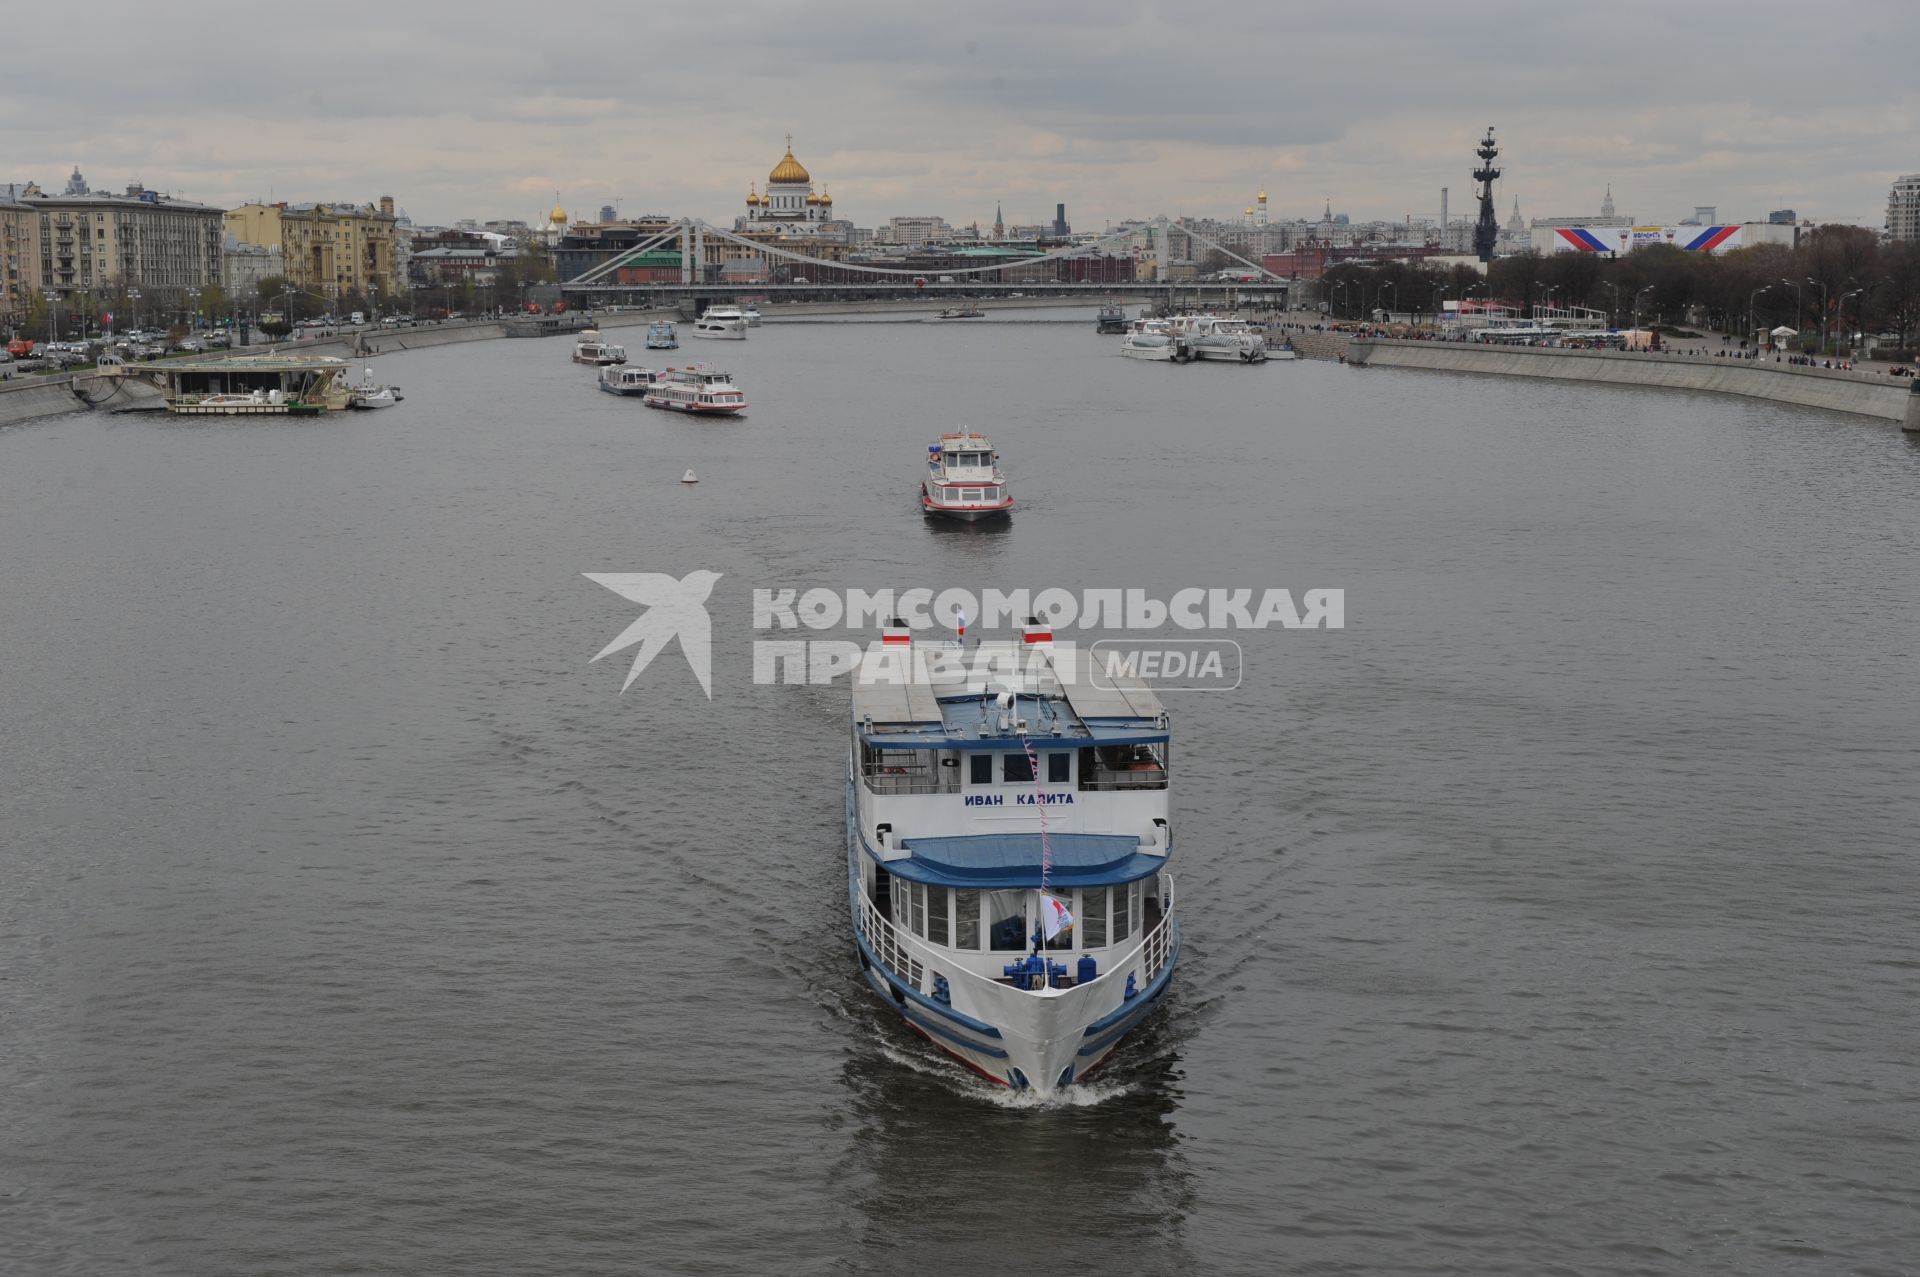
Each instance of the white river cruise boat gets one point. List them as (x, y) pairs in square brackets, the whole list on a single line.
[(629, 379), (589, 349), (721, 321), (964, 480), (990, 791), (699, 390), (1211, 337), (1148, 339)]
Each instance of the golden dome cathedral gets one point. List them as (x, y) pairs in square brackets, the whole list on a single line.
[(789, 169)]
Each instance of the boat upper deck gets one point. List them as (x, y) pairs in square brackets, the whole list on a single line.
[(921, 696)]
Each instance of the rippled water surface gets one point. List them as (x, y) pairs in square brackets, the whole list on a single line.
[(1557, 915)]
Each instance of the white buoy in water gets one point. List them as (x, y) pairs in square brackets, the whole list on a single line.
[(689, 476)]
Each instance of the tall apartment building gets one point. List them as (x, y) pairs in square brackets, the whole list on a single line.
[(19, 260), (1903, 208), (91, 242), (329, 249)]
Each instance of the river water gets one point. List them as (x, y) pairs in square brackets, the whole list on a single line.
[(1556, 915)]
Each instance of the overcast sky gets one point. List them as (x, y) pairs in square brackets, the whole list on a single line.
[(1118, 109)]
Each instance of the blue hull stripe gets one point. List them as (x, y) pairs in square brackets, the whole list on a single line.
[(954, 1038), (920, 999), (1152, 990)]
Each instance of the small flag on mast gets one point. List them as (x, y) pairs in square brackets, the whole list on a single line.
[(1055, 917)]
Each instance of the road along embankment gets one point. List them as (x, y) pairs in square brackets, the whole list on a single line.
[(1867, 394)]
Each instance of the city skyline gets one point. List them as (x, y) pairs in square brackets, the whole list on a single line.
[(1116, 111)]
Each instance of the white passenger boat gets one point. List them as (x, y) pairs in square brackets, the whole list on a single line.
[(980, 816), (699, 390), (723, 322), (751, 314), (369, 394), (1148, 339), (628, 379), (660, 336), (963, 479), (1213, 337), (589, 349)]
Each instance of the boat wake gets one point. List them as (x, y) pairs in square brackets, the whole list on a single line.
[(963, 1083)]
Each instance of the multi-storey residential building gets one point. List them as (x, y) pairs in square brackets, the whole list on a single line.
[(330, 249), (245, 265), (91, 242), (19, 259), (1903, 208)]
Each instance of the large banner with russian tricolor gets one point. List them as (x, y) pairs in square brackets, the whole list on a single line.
[(1624, 239)]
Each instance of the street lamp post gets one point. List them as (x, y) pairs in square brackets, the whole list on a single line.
[(1823, 310), (1613, 312), (1799, 306), (1379, 296), (1841, 312), (133, 298), (1750, 300), (1636, 303), (53, 315)]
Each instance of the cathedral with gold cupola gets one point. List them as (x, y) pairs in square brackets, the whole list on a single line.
[(789, 202)]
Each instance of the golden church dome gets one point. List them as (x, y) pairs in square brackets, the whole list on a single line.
[(558, 217), (789, 169), (1263, 197)]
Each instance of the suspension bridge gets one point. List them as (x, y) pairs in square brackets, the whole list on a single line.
[(690, 260)]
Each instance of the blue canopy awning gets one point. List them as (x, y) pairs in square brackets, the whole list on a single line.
[(998, 861)]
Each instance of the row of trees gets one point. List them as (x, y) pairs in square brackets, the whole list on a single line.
[(1838, 281)]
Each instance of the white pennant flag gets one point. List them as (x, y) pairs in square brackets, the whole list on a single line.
[(1055, 917)]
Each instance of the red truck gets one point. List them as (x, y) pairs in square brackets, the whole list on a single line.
[(20, 348)]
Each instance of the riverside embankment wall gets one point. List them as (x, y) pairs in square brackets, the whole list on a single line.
[(1868, 394), (25, 398)]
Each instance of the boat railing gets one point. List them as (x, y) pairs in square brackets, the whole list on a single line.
[(1126, 776), (1158, 946), (887, 945), (911, 780)]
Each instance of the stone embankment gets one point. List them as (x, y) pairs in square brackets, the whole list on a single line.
[(25, 398), (1871, 394)]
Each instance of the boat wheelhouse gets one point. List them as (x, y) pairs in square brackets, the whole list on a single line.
[(590, 349), (699, 390), (964, 480), (249, 385), (660, 336), (989, 788), (628, 379)]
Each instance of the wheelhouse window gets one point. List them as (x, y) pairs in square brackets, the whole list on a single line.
[(1094, 907), (1007, 919), (937, 930), (1059, 768), (980, 769), (1016, 767)]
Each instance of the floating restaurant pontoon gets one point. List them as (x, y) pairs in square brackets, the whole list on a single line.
[(249, 385)]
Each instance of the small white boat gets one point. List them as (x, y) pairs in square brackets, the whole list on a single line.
[(962, 312), (724, 322), (752, 315), (628, 379), (964, 480), (699, 390), (589, 349), (660, 336), (1148, 339), (369, 394)]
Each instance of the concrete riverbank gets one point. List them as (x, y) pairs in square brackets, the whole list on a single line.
[(25, 398), (1868, 394)]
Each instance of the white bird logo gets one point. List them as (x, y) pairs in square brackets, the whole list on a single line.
[(674, 608)]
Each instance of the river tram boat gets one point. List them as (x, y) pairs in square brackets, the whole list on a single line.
[(661, 336), (1008, 839), (696, 389), (1111, 319), (590, 349), (964, 480), (271, 385), (629, 379)]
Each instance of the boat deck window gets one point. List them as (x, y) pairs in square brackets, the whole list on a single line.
[(1016, 768), (1124, 767), (909, 771), (980, 769)]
